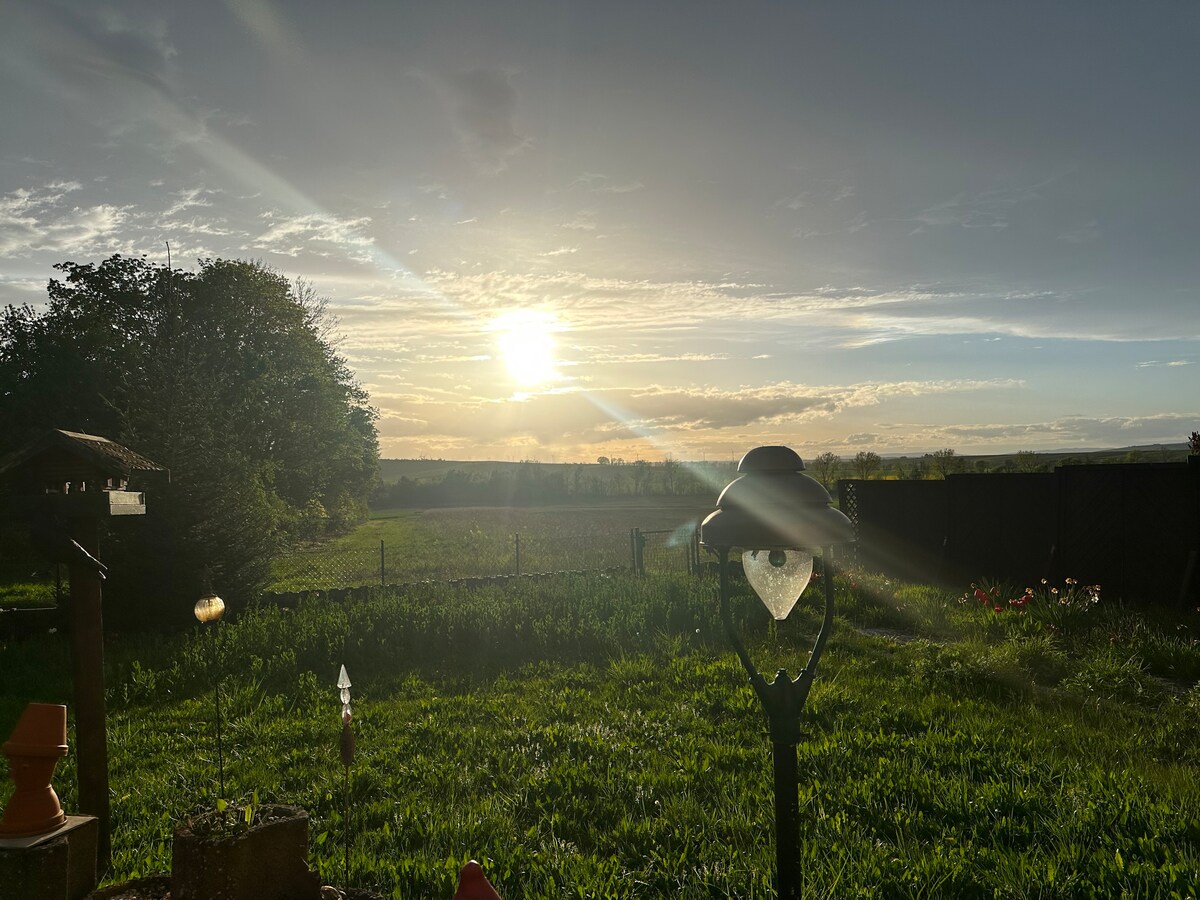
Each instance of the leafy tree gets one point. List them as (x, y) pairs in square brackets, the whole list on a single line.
[(866, 463), (944, 462), (670, 475), (226, 376), (1027, 461), (826, 467)]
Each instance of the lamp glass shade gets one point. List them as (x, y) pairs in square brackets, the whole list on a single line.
[(209, 608), (779, 577)]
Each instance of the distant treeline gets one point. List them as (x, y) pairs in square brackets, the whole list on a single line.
[(434, 482), (535, 484)]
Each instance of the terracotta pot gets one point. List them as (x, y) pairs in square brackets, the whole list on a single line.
[(33, 751)]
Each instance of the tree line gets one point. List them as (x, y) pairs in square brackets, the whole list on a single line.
[(531, 483)]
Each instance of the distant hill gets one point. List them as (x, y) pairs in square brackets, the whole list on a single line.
[(391, 470), (427, 483)]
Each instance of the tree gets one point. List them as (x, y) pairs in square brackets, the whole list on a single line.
[(670, 472), (226, 376), (826, 466), (1027, 461), (944, 462), (866, 462)]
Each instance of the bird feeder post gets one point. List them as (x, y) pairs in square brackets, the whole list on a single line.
[(87, 665), (69, 482)]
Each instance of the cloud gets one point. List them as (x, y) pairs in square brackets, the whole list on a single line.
[(578, 416), (1089, 231), (603, 184), (981, 209), (483, 107), (853, 316), (39, 220), (317, 234), (1169, 364), (189, 198), (1068, 432), (584, 220), (818, 192)]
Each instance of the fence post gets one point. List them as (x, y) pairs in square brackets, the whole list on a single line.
[(517, 538), (639, 552), (382, 570)]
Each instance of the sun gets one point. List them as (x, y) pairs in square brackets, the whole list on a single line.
[(526, 342)]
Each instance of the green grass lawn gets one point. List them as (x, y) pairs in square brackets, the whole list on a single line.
[(591, 736)]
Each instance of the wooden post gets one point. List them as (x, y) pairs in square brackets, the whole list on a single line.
[(382, 570), (87, 665)]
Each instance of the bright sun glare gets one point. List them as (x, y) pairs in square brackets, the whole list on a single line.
[(526, 342)]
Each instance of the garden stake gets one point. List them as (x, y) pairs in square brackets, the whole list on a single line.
[(210, 608), (347, 752)]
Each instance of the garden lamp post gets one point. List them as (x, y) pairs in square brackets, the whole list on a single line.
[(778, 516), (210, 608)]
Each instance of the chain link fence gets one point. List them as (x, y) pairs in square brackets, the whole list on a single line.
[(520, 553)]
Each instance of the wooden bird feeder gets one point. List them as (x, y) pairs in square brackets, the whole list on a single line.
[(79, 475), (66, 482)]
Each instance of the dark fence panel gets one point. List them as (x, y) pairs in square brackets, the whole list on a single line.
[(1132, 528), (900, 526), (1001, 526)]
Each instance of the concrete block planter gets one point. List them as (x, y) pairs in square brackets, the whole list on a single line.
[(266, 860)]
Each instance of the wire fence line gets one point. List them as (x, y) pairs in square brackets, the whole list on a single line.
[(519, 553)]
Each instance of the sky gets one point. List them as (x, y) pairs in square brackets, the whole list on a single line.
[(566, 230)]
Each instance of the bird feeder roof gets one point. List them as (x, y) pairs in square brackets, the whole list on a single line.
[(107, 456)]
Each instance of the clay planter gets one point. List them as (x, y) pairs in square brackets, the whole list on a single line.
[(264, 861), (33, 751)]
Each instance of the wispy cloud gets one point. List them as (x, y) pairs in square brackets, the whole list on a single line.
[(979, 209), (318, 234), (1169, 364), (39, 219), (1083, 234), (587, 417), (1068, 432), (189, 198), (603, 184)]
